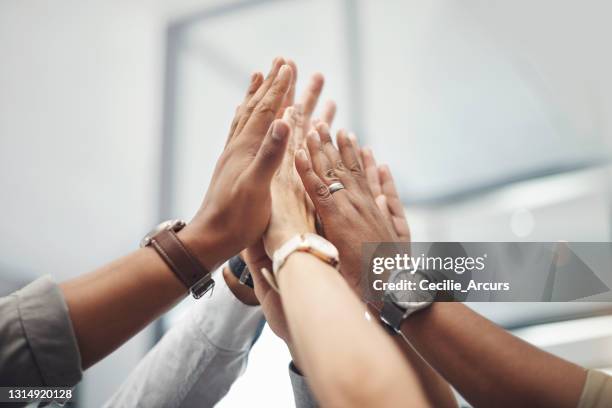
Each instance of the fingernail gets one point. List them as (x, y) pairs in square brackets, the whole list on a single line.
[(301, 154), (352, 137), (315, 136), (283, 69), (323, 126), (279, 131), (253, 76)]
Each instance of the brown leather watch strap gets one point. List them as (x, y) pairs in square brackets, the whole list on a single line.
[(182, 262)]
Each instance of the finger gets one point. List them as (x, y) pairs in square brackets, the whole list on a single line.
[(259, 282), (371, 171), (299, 125), (350, 158), (329, 112), (266, 109), (290, 95), (315, 187), (290, 117), (311, 95), (353, 138), (381, 203), (394, 203), (334, 157), (389, 190), (271, 152), (321, 165), (277, 63), (256, 81)]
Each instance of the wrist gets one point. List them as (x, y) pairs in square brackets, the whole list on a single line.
[(242, 292), (204, 245), (276, 239)]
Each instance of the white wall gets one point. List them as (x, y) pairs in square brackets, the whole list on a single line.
[(80, 88)]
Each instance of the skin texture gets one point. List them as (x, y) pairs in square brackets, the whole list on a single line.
[(488, 365), (492, 368), (234, 214), (286, 190), (351, 212), (326, 322)]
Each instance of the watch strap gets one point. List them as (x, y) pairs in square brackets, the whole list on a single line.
[(392, 316), (240, 270), (184, 265)]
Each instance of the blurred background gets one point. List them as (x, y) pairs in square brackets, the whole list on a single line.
[(494, 116)]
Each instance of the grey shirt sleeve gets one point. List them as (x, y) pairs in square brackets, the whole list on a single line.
[(37, 342), (301, 391)]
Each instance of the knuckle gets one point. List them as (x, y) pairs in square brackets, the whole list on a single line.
[(322, 192), (330, 174), (249, 109), (265, 108), (339, 166), (355, 169)]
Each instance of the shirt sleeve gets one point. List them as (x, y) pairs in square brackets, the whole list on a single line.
[(597, 391), (37, 342), (197, 361), (301, 391)]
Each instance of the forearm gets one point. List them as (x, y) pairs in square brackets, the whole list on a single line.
[(111, 304), (488, 365), (335, 342), (436, 388), (198, 359)]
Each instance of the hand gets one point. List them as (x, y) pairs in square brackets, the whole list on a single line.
[(291, 212), (383, 189), (292, 209), (349, 216), (236, 209)]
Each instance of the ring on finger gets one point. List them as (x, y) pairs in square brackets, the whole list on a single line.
[(336, 186)]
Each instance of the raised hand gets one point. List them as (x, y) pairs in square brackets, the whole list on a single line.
[(349, 216), (237, 206), (383, 189)]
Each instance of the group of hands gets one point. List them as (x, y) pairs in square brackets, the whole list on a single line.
[(272, 183)]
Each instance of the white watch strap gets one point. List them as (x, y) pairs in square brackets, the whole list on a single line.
[(310, 243), (282, 253)]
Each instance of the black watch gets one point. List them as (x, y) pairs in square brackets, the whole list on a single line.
[(399, 304), (240, 270)]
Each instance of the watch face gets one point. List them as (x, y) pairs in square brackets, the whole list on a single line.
[(410, 289)]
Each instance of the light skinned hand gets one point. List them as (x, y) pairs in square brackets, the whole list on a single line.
[(237, 206), (288, 197)]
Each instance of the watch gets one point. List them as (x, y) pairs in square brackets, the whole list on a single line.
[(398, 304), (311, 243), (175, 254), (239, 269)]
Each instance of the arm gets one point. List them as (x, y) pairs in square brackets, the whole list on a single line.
[(197, 360), (369, 208), (140, 286), (382, 187), (489, 366), (332, 339), (335, 342)]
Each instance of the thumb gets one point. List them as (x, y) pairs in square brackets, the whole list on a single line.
[(271, 152)]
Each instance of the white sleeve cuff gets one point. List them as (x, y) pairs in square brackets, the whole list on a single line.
[(224, 320)]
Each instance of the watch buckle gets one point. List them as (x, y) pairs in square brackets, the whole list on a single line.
[(203, 286)]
